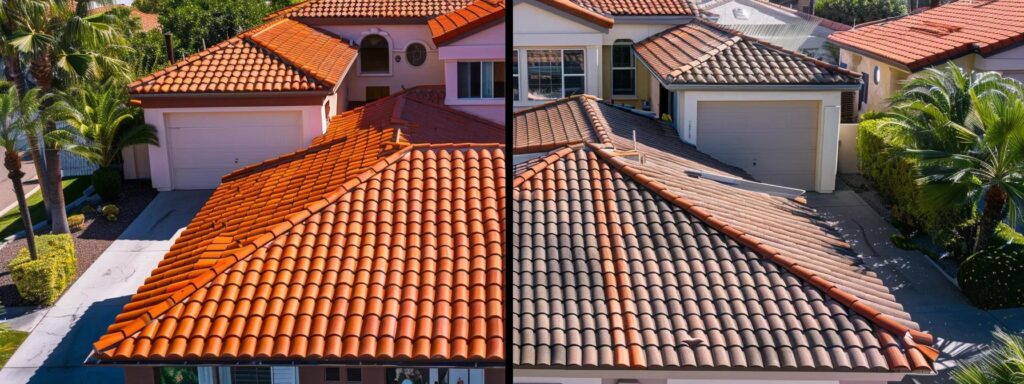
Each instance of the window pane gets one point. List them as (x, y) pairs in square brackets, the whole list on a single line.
[(499, 79), (469, 80), (250, 375), (622, 56), (544, 74), (332, 374), (623, 82), (488, 80), (573, 85), (573, 62), (515, 75), (408, 376), (178, 375), (374, 54), (355, 375)]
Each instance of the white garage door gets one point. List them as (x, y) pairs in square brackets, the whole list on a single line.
[(774, 141), (204, 146)]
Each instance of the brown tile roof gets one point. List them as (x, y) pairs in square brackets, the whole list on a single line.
[(700, 52), (613, 269), (280, 56), (577, 10), (640, 7), (371, 8), (939, 34), (783, 226), (478, 14), (362, 247), (424, 118)]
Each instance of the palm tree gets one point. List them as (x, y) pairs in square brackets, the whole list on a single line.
[(18, 119), (1003, 364), (945, 91), (982, 164), (63, 45), (101, 126)]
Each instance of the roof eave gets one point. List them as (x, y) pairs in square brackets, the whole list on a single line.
[(886, 60), (93, 360), (761, 87), (257, 94), (710, 374)]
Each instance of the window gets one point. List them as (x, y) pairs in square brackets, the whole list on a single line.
[(515, 75), (864, 88), (354, 375), (623, 69), (434, 376), (251, 375), (332, 374), (377, 93), (177, 375), (481, 80), (553, 74), (416, 54), (374, 55)]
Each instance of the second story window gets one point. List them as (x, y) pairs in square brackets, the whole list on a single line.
[(623, 69), (481, 80), (555, 73), (416, 54), (515, 75), (374, 55)]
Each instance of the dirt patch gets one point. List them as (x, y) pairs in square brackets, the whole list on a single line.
[(90, 242)]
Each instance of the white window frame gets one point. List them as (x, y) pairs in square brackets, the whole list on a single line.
[(390, 51), (278, 375), (561, 51), (631, 68), (481, 62), (514, 67)]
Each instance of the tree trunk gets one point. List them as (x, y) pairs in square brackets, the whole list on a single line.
[(13, 164), (993, 214), (16, 74), (43, 72)]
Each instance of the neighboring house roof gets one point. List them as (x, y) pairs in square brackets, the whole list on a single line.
[(280, 56), (422, 110), (583, 13), (939, 34), (365, 247), (640, 7), (463, 21), (149, 21), (700, 52), (768, 12), (870, 327), (371, 8)]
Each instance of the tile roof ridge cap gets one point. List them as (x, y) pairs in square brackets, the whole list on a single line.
[(550, 103), (282, 13), (572, 8), (847, 299), (544, 162), (305, 70), (186, 61), (812, 60), (455, 145), (597, 119), (228, 258)]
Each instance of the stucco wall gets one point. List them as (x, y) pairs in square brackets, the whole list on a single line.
[(485, 45), (890, 80), (642, 80), (402, 73)]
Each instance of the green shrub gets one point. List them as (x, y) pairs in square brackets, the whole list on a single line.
[(75, 222), (110, 211), (42, 281), (894, 179), (991, 279), (107, 183)]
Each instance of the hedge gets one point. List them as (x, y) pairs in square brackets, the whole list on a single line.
[(43, 280), (894, 179), (991, 279)]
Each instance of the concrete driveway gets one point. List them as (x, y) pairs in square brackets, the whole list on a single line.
[(62, 336), (962, 331)]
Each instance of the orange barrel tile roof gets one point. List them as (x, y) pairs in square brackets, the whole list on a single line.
[(789, 227), (611, 270), (700, 52), (148, 21), (478, 14), (939, 34), (371, 9), (363, 247), (280, 56)]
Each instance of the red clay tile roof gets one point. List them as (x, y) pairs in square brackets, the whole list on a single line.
[(476, 15), (700, 52), (280, 56), (423, 118), (794, 230), (361, 247), (149, 21), (577, 10), (939, 34), (371, 8), (612, 269), (640, 7)]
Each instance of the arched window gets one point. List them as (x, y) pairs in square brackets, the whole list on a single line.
[(375, 55)]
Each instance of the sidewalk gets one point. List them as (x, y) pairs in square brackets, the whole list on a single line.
[(7, 199), (61, 336), (962, 331)]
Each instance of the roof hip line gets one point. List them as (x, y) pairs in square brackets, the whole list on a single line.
[(913, 339)]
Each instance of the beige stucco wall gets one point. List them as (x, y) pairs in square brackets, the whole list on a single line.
[(890, 80), (643, 80)]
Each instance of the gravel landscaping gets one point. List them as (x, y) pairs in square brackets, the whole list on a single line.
[(90, 242)]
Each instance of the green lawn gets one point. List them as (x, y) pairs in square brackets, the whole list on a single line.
[(9, 342), (10, 223)]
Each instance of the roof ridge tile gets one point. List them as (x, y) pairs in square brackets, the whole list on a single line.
[(883, 321)]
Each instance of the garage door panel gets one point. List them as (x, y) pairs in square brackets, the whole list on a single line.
[(774, 141), (204, 146)]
